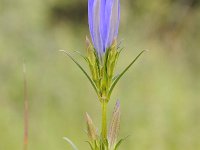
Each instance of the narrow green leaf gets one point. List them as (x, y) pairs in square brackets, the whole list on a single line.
[(92, 83), (90, 144), (77, 52), (123, 72), (97, 145), (120, 49), (115, 77), (119, 43), (120, 142), (71, 143)]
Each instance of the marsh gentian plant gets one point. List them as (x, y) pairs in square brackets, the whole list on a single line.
[(102, 56)]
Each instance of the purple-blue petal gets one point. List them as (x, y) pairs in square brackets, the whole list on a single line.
[(103, 20), (112, 10), (90, 17), (98, 43), (118, 20), (103, 23)]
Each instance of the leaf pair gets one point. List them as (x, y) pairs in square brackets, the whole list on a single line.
[(83, 70), (115, 79)]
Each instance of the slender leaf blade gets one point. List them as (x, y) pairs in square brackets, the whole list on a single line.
[(120, 142), (71, 143), (123, 72), (90, 144), (70, 56), (77, 52)]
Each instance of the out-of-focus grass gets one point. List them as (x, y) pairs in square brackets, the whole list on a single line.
[(159, 96)]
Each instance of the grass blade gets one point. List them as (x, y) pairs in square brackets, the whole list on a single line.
[(90, 145), (70, 56), (77, 52), (120, 142), (123, 72), (71, 143)]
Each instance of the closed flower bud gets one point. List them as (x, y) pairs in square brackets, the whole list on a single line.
[(103, 19), (91, 129), (114, 125)]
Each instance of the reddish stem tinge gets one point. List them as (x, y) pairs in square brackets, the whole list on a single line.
[(25, 110)]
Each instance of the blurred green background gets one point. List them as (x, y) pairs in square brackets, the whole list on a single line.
[(160, 96)]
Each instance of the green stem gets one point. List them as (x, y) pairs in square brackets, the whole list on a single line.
[(104, 120)]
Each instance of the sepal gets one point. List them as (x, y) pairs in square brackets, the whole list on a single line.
[(93, 62)]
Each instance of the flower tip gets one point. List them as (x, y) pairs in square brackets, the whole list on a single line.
[(88, 43), (115, 40), (86, 38), (114, 43), (87, 116), (118, 104)]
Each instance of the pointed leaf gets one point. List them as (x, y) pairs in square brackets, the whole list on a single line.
[(120, 49), (115, 77), (71, 143), (119, 143), (123, 72), (92, 83), (77, 52), (90, 144)]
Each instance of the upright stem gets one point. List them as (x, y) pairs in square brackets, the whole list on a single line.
[(104, 120)]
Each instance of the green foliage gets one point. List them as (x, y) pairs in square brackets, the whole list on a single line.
[(102, 69), (83, 70), (116, 78), (103, 82)]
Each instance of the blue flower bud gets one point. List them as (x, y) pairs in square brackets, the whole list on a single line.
[(103, 19)]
